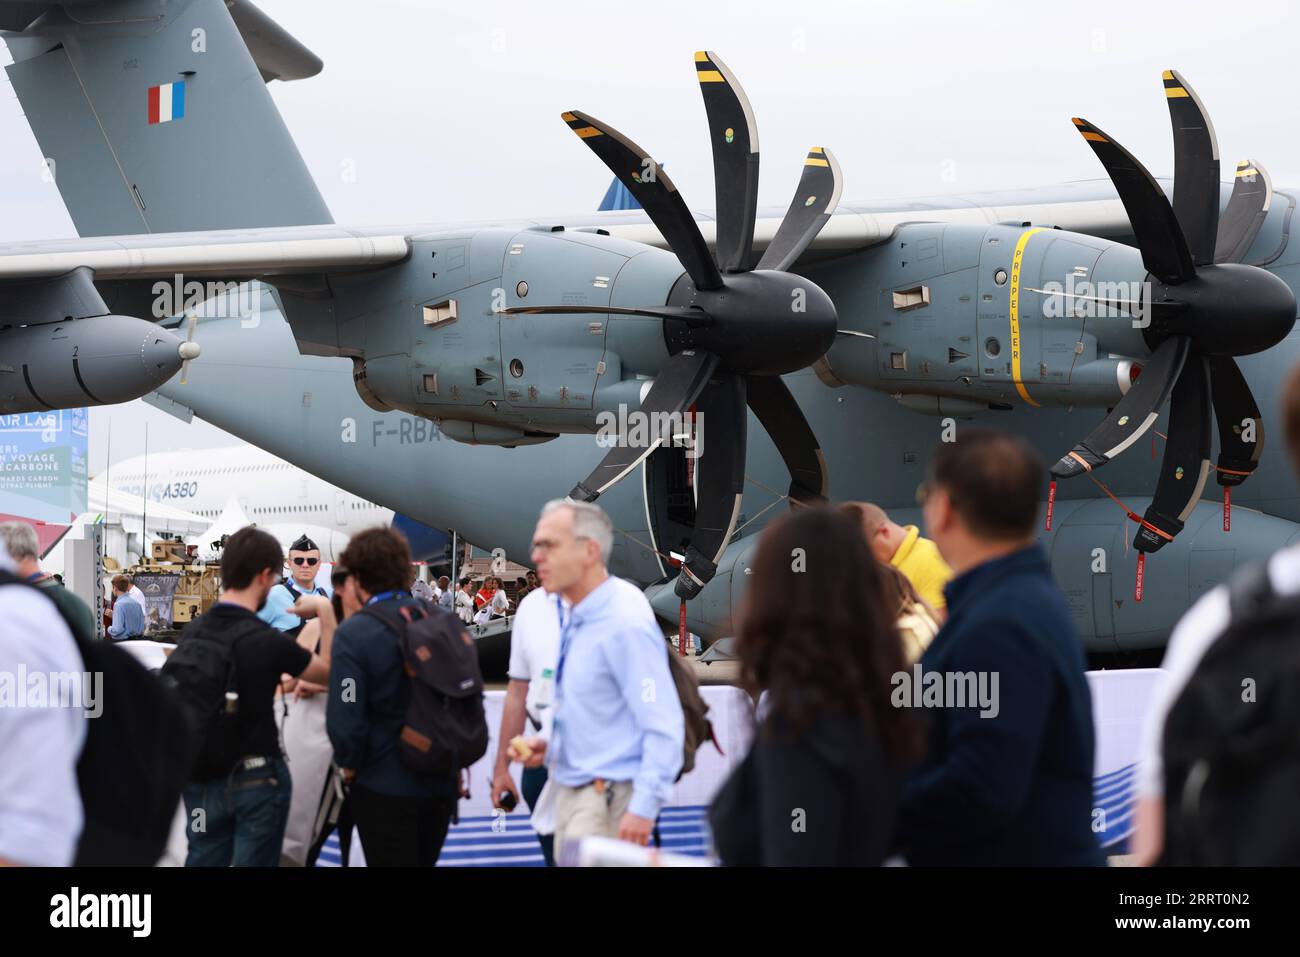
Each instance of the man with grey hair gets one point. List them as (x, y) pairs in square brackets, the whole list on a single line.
[(40, 801), (615, 736), (24, 550)]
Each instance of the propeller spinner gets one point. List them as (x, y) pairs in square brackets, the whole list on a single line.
[(1205, 307), (732, 327)]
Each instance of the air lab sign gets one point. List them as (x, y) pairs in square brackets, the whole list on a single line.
[(43, 465)]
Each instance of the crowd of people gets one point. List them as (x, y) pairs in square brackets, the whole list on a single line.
[(935, 712)]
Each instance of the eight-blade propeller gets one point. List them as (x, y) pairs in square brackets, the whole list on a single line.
[(1205, 307), (732, 328)]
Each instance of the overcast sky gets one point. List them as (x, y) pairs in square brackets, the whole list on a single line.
[(449, 111)]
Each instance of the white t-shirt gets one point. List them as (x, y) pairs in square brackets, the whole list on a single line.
[(1192, 637), (500, 604), (534, 650), (136, 595)]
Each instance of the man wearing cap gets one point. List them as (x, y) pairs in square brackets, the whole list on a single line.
[(304, 563)]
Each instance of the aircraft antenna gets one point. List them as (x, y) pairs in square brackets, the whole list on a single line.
[(108, 467), (144, 498)]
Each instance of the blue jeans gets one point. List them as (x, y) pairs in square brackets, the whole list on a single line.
[(531, 783), (242, 817)]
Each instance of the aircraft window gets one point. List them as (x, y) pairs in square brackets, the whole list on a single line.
[(898, 360), (992, 346)]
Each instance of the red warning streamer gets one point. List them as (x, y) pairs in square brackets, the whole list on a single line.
[(1227, 509), (1137, 582), (1051, 501), (681, 631)]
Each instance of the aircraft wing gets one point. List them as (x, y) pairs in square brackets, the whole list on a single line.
[(1089, 207), (230, 253)]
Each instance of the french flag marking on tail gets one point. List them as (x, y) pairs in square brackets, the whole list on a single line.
[(166, 102)]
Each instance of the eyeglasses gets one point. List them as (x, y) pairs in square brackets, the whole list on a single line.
[(306, 561)]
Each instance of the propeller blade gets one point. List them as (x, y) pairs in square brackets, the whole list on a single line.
[(691, 315), (1252, 195), (654, 190), (780, 415), (1186, 462), (189, 349), (1196, 168), (1239, 421), (814, 200), (733, 134), (719, 481), (676, 386), (1132, 415), (1164, 250)]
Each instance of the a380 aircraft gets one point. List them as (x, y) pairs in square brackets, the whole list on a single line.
[(456, 372)]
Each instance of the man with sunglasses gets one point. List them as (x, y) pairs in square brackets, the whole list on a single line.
[(304, 563)]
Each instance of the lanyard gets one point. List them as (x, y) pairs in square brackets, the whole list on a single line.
[(566, 637), (385, 595)]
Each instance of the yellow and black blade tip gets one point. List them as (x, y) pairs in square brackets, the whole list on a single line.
[(582, 124), (1088, 131), (1175, 86), (706, 69)]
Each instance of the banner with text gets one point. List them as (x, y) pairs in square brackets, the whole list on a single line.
[(43, 464)]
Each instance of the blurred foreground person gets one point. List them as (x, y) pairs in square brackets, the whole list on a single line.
[(1007, 779), (822, 781), (40, 803), (1219, 772)]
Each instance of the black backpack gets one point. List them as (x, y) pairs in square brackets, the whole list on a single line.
[(134, 762), (202, 670), (1232, 749), (446, 728)]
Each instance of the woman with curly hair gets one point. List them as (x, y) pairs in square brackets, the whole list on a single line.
[(822, 781)]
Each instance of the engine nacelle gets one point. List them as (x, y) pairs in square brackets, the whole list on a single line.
[(101, 360), (989, 317)]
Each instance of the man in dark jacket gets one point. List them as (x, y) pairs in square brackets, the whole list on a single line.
[(1008, 777), (402, 818)]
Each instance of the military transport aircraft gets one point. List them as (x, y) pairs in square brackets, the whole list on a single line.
[(457, 372)]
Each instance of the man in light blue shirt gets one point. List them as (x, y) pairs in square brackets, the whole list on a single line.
[(128, 615), (615, 745)]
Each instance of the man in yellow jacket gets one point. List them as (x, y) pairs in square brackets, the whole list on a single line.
[(903, 547)]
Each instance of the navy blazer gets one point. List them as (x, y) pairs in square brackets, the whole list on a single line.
[(1015, 788)]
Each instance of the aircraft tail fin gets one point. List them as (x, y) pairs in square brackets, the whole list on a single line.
[(154, 115)]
